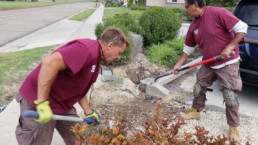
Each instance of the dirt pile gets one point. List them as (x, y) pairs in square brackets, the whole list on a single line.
[(140, 68), (106, 92)]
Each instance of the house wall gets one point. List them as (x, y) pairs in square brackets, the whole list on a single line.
[(179, 3), (165, 3), (160, 3)]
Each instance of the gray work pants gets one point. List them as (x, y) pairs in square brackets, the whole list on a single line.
[(229, 78), (30, 132)]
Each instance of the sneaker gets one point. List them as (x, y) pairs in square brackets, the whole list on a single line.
[(234, 133), (191, 114)]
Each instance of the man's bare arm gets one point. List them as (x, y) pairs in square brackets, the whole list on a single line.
[(50, 67), (84, 103), (237, 37)]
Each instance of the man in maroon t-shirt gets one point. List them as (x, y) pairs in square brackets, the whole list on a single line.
[(62, 79), (211, 30)]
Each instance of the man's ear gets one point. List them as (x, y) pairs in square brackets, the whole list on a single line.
[(196, 4), (109, 45)]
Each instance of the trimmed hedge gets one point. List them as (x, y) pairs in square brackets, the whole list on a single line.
[(126, 23), (159, 24)]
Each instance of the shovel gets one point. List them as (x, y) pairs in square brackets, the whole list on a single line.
[(149, 81), (34, 114)]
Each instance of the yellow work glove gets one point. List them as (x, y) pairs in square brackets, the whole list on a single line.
[(44, 111), (93, 116)]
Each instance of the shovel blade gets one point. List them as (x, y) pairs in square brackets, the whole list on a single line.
[(147, 81), (110, 124)]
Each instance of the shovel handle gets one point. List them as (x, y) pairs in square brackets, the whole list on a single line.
[(34, 114), (205, 61), (196, 64)]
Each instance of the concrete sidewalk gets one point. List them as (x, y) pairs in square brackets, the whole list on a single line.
[(57, 33)]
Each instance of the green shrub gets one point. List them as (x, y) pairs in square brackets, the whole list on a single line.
[(108, 5), (99, 29), (189, 18), (180, 11), (167, 53), (176, 44), (114, 5), (126, 20), (126, 23), (138, 7), (159, 24), (117, 5), (130, 3), (229, 8)]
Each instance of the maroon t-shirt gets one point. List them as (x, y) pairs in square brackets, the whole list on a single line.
[(212, 32), (83, 59)]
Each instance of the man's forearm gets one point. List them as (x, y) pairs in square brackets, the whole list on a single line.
[(230, 47), (182, 59), (84, 103), (237, 37)]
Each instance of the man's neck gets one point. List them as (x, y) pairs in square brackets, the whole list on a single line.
[(200, 12)]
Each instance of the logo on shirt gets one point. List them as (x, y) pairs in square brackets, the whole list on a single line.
[(196, 31), (93, 68)]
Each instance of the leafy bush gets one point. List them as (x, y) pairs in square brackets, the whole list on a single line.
[(167, 53), (130, 3), (159, 24), (229, 8), (177, 10), (126, 23), (138, 7), (108, 5), (113, 5), (117, 5), (224, 3), (189, 18), (176, 44), (156, 131)]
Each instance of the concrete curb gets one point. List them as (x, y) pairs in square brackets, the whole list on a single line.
[(157, 89)]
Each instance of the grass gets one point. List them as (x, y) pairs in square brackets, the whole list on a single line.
[(24, 4), (167, 53), (17, 4), (111, 11), (14, 67), (84, 15)]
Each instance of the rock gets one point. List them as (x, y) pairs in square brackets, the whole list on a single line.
[(143, 67), (105, 92)]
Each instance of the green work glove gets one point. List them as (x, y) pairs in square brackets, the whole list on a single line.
[(44, 111), (93, 116)]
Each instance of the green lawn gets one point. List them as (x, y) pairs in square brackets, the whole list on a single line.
[(111, 11), (19, 4), (84, 15), (12, 5), (15, 66)]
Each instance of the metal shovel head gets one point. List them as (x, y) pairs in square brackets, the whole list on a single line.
[(110, 125), (147, 81)]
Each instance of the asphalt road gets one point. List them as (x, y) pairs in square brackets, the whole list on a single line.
[(15, 24)]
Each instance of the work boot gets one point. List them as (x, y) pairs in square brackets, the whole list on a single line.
[(234, 133), (191, 114)]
